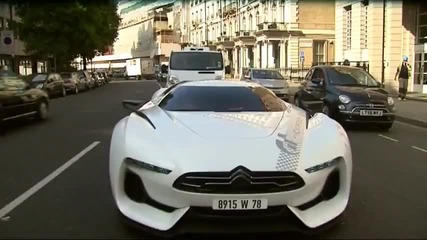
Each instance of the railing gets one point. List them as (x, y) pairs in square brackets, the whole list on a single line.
[(243, 33), (224, 38), (271, 26)]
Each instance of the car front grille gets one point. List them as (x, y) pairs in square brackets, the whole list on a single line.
[(239, 181)]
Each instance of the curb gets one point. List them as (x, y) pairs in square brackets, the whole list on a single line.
[(417, 99), (411, 121)]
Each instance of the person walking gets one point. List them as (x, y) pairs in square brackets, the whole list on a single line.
[(404, 73)]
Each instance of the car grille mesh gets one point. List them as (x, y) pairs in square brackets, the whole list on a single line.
[(239, 181)]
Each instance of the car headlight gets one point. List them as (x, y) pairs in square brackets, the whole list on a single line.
[(390, 101), (147, 166), (40, 86), (321, 166), (344, 99), (173, 79)]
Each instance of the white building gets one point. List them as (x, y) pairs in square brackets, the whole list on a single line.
[(381, 34), (266, 34), (145, 32)]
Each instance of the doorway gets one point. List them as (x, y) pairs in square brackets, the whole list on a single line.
[(420, 68)]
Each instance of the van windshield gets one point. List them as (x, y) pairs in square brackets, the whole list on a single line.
[(196, 61)]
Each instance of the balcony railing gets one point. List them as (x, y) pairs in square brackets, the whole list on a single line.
[(244, 33), (225, 39), (271, 26)]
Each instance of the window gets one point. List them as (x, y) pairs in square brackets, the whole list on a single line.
[(319, 51), (39, 78), (10, 81), (251, 22), (349, 76), (364, 25), (267, 74), (196, 61), (347, 27), (257, 18), (221, 99)]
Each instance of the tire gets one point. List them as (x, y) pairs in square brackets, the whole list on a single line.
[(64, 92), (385, 127), (42, 110), (326, 110), (76, 90), (297, 102)]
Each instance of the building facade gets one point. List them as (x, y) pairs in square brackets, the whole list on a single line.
[(284, 34), (381, 33), (145, 32), (13, 56)]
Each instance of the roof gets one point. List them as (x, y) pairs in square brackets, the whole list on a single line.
[(219, 83)]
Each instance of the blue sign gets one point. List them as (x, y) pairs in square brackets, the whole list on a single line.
[(301, 54), (7, 40)]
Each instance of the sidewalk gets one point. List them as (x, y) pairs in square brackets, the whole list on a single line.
[(412, 112), (417, 96)]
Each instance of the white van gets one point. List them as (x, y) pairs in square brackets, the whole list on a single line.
[(194, 64)]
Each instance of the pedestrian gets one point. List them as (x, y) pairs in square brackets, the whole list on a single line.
[(346, 62), (404, 73)]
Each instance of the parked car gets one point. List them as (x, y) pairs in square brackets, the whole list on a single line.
[(52, 83), (268, 78), (85, 76), (97, 78), (72, 83), (346, 94), (106, 77), (18, 99)]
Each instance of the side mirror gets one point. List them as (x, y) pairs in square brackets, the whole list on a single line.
[(164, 68), (133, 106)]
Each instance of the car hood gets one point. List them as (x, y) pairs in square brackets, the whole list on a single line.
[(272, 83), (194, 141), (228, 125), (363, 93)]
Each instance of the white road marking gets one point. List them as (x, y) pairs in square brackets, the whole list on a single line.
[(388, 138), (34, 189), (419, 149), (410, 125)]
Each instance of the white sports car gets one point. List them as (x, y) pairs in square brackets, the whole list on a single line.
[(228, 156)]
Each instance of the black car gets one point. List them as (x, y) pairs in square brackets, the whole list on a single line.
[(52, 83), (18, 100), (346, 94)]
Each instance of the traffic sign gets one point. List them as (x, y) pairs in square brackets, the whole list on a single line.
[(7, 42), (301, 54)]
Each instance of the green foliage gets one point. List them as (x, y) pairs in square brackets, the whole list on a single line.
[(68, 29)]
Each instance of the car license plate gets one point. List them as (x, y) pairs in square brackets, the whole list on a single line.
[(240, 204), (371, 113)]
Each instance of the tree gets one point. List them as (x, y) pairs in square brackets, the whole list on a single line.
[(67, 29)]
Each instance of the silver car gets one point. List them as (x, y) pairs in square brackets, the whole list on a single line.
[(268, 78)]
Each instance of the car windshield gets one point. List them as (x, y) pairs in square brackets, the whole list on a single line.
[(39, 78), (221, 99), (345, 76), (267, 74), (196, 61), (65, 75)]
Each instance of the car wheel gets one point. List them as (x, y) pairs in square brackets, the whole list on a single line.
[(64, 92), (42, 110), (297, 102), (385, 127), (326, 110), (76, 90)]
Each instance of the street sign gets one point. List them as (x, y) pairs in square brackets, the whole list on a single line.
[(7, 42)]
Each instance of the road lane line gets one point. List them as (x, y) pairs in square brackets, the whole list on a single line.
[(34, 189), (419, 149), (410, 125), (388, 138)]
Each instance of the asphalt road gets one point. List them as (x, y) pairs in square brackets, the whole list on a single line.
[(387, 199)]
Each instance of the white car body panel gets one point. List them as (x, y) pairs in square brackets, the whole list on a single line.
[(204, 141)]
